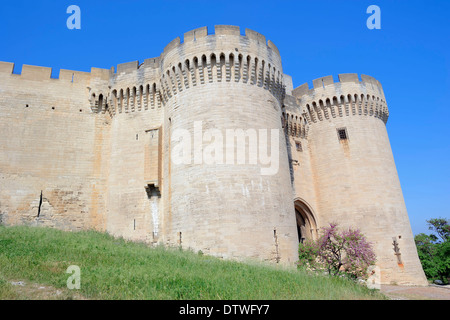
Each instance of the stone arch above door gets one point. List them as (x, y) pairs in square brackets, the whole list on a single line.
[(307, 226)]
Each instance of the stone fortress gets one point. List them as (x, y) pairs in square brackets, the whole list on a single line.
[(92, 150)]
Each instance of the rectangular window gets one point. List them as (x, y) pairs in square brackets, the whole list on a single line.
[(298, 146), (342, 133)]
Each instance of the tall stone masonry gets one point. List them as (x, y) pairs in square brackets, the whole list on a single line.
[(229, 192), (207, 147), (356, 180)]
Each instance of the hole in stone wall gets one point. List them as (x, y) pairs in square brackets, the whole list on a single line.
[(100, 101), (152, 190), (179, 238), (342, 134), (40, 204), (277, 254)]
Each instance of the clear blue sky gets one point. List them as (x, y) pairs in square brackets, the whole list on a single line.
[(410, 56)]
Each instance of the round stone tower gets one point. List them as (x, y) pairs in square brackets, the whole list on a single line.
[(356, 180), (226, 174)]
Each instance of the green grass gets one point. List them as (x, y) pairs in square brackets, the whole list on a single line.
[(117, 269)]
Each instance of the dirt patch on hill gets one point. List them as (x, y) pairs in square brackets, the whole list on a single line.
[(431, 292), (24, 290)]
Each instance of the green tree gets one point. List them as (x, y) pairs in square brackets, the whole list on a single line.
[(441, 226), (434, 251)]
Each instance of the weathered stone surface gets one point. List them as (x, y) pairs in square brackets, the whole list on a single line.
[(99, 150)]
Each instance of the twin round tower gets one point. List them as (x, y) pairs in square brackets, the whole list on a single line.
[(208, 147)]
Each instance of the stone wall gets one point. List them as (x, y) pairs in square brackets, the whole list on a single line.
[(354, 170), (219, 82), (51, 150), (101, 150)]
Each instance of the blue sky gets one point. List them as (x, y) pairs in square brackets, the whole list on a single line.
[(409, 55)]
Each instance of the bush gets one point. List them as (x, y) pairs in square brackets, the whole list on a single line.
[(307, 254), (338, 252)]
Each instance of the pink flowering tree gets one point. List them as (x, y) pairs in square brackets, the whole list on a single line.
[(338, 252)]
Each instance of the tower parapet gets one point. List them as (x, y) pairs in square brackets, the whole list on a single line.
[(89, 83), (294, 122), (348, 97), (135, 87), (38, 73), (355, 176), (226, 56)]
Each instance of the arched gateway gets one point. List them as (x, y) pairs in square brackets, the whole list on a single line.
[(306, 221)]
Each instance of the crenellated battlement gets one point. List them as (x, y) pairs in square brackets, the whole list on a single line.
[(200, 35), (225, 56), (38, 73), (100, 97), (350, 96), (221, 67), (196, 37), (76, 81), (294, 123), (346, 78), (135, 98), (201, 58), (295, 126), (112, 150)]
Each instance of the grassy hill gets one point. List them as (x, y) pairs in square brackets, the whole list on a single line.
[(33, 264)]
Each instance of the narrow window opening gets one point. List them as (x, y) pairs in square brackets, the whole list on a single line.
[(277, 257), (179, 239), (298, 146), (40, 204), (100, 102), (137, 136), (342, 134)]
